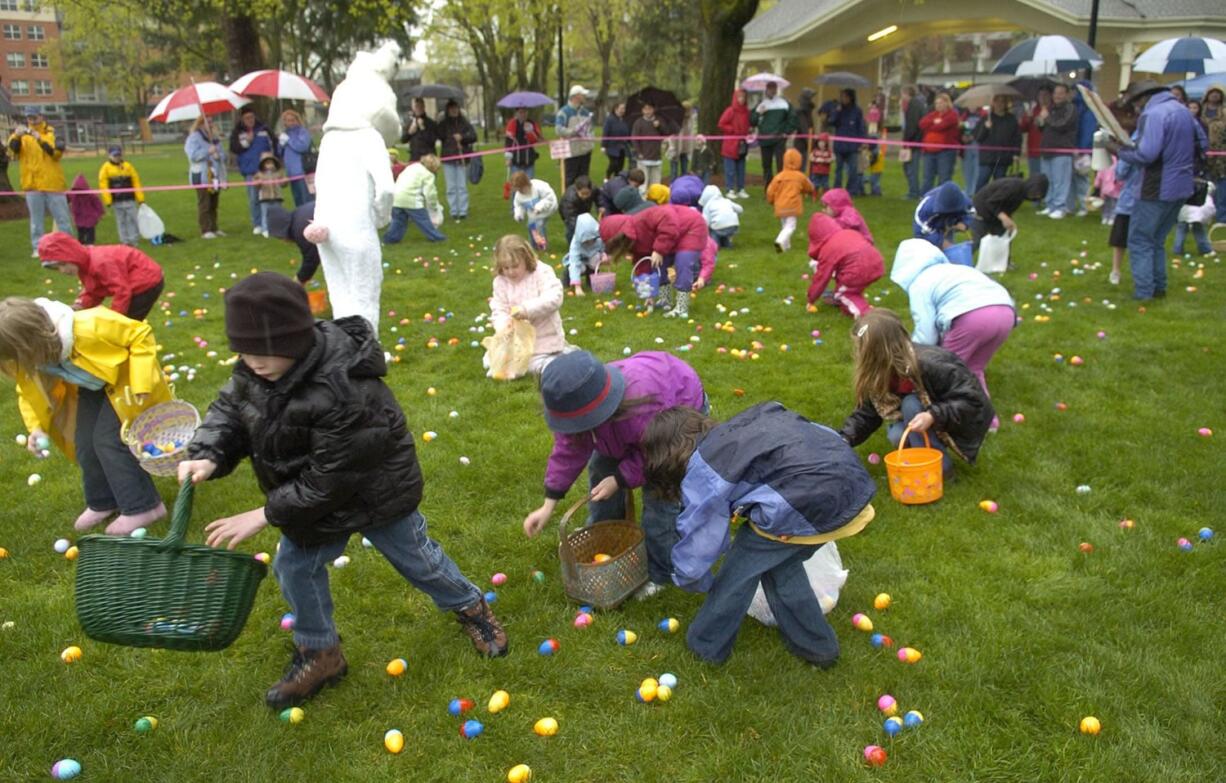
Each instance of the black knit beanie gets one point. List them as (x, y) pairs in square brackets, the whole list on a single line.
[(267, 314)]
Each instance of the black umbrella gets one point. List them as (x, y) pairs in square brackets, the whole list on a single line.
[(1029, 86), (843, 79), (442, 91), (666, 103)]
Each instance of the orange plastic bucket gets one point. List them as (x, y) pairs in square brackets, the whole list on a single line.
[(915, 473), (318, 301)]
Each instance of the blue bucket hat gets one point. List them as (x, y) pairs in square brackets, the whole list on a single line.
[(580, 392)]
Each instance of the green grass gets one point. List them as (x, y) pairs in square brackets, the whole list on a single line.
[(1022, 634)]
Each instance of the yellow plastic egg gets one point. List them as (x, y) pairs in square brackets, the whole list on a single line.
[(664, 693), (1090, 725), (396, 667), (3, 553), (393, 740), (649, 689), (882, 601), (71, 553), (499, 701), (600, 557), (546, 727), (520, 773), (71, 654)]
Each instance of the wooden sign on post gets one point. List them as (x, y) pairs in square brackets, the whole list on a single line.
[(559, 150)]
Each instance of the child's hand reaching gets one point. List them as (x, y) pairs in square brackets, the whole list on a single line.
[(535, 522), (197, 469), (606, 489), (235, 529)]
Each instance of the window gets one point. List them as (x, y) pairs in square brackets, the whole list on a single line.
[(30, 5), (19, 87), (42, 87), (8, 5), (12, 32), (15, 59), (39, 61), (35, 32)]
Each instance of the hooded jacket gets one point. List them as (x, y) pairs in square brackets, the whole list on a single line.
[(537, 205), (328, 441), (939, 211), (786, 475), (1167, 139), (1006, 195), (86, 208), (961, 410), (658, 193), (572, 205), (249, 157), (297, 144), (1060, 129), (586, 248), (539, 295), (848, 122), (117, 271), (607, 192), (120, 176), (1003, 133), (734, 123), (789, 187), (820, 157), (941, 291), (447, 128), (629, 201), (718, 211), (416, 188), (841, 253), (685, 190), (666, 230), (845, 214), (38, 153)]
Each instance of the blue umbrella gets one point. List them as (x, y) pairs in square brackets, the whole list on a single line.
[(524, 100), (1048, 54), (1196, 88), (1190, 54)]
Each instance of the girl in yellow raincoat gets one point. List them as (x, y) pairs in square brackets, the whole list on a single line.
[(79, 375)]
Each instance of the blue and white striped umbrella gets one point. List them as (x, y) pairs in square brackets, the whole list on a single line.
[(1047, 55), (1190, 54)]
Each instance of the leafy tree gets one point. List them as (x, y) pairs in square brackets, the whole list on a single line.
[(723, 22)]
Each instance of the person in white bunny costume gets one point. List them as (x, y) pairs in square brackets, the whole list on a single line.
[(354, 183)]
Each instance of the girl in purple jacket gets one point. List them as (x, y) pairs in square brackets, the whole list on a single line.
[(598, 413)]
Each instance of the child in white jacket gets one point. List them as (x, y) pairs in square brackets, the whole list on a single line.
[(527, 289), (534, 202), (722, 215), (1193, 220)]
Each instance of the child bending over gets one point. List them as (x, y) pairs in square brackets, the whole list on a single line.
[(526, 289)]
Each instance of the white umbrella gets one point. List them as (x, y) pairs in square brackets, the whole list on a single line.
[(757, 82), (279, 84), (1048, 54), (188, 103), (1190, 54)]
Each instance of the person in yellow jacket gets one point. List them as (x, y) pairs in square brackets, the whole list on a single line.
[(38, 153), (79, 375), (121, 191)]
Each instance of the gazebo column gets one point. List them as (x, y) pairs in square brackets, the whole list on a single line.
[(1127, 53)]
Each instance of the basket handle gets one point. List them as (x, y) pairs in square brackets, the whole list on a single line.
[(181, 515), (630, 515), (902, 444), (634, 270)]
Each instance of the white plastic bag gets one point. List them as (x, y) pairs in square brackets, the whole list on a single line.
[(994, 253), (826, 575), (148, 222)]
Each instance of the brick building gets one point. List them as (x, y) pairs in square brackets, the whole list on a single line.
[(26, 29)]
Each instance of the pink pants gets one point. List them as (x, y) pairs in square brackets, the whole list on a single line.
[(851, 300), (975, 336)]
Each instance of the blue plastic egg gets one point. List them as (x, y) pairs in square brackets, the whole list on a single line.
[(491, 597), (877, 640), (66, 769), (892, 725), (912, 719), (1206, 533)]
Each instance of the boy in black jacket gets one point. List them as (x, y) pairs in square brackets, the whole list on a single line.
[(576, 201), (330, 448)]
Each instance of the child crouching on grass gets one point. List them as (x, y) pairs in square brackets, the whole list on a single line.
[(794, 484), (334, 456), (534, 203), (526, 289)]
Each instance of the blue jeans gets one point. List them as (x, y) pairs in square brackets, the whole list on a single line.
[(874, 183), (912, 170), (1035, 164), (456, 176), (1081, 189), (911, 407), (991, 171), (851, 162), (529, 170), (303, 574), (401, 218), (1220, 203), (680, 166), (723, 236), (1059, 171), (938, 168), (820, 182), (1198, 233), (734, 173), (39, 203), (659, 519), (298, 189), (253, 201), (970, 167), (1151, 221), (752, 560)]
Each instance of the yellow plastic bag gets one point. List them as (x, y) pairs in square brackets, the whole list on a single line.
[(508, 355)]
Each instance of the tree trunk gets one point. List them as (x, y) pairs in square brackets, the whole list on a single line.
[(244, 53), (722, 39)]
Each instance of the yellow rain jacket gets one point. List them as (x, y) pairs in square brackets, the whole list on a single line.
[(119, 351), (40, 170), (122, 176)]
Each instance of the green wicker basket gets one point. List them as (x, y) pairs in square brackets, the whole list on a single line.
[(142, 592)]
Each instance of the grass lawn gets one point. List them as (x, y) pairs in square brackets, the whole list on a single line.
[(1022, 634)]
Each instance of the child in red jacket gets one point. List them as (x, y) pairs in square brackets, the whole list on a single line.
[(821, 157), (130, 278), (846, 256), (836, 203)]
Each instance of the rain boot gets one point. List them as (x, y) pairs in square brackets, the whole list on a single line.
[(682, 310)]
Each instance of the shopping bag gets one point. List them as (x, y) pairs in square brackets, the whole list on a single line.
[(148, 222), (476, 170), (507, 355), (994, 253), (826, 576)]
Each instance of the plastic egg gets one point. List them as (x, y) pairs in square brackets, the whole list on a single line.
[(1083, 489), (1018, 418), (396, 667), (1184, 544), (471, 729), (1076, 361), (139, 532), (520, 773), (892, 725), (3, 553), (71, 654), (498, 579), (648, 690), (1061, 406), (538, 577), (490, 596), (292, 715), (498, 702), (668, 680), (71, 553), (393, 740), (669, 625), (887, 704), (61, 545), (583, 620), (626, 638), (909, 655), (458, 707), (1205, 432), (287, 621), (263, 557), (43, 442), (145, 725), (341, 561), (600, 557), (548, 647), (1127, 524), (430, 392), (874, 458), (875, 755), (65, 769), (1205, 533), (546, 727), (1085, 547), (32, 480), (21, 440), (882, 602), (912, 719), (1090, 725), (429, 436), (989, 506), (880, 640), (862, 622)]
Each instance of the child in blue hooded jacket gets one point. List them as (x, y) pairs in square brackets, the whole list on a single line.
[(794, 485), (942, 211), (586, 252)]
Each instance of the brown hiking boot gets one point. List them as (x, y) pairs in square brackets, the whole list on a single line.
[(308, 673), (484, 629)]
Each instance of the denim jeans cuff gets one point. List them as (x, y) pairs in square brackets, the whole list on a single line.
[(317, 641)]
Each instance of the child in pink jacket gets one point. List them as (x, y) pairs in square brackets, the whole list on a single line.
[(529, 290), (837, 203), (1109, 189)]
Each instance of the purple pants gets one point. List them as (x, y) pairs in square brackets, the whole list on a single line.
[(975, 336), (685, 262)]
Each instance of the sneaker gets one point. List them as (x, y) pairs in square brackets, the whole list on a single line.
[(1044, 211), (256, 231), (219, 233), (264, 233), (34, 254), (647, 591), (732, 194), (1082, 212), (483, 629), (309, 672), (995, 425), (778, 248), (208, 235), (1114, 277), (742, 193), (1056, 215)]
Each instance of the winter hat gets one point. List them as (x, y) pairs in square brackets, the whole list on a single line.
[(114, 150), (267, 314), (279, 219), (629, 201), (1036, 187), (580, 392), (268, 156)]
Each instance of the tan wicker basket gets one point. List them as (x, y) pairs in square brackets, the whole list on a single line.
[(1219, 229), (170, 421), (603, 585)]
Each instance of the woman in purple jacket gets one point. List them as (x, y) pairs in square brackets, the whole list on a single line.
[(598, 413)]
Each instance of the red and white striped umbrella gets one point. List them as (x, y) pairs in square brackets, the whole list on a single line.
[(279, 84), (188, 103)]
